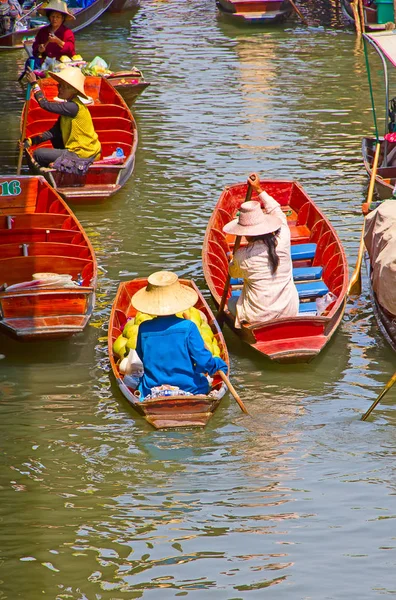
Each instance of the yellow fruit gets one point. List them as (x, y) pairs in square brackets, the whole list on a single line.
[(128, 328), (180, 315), (132, 338), (215, 347), (64, 59), (119, 346), (204, 318), (77, 57), (140, 317), (206, 330)]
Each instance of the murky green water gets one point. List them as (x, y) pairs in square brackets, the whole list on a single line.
[(97, 505)]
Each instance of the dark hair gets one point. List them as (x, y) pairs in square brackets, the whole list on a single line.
[(271, 241)]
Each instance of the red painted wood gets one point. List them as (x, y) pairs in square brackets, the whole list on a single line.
[(290, 339)]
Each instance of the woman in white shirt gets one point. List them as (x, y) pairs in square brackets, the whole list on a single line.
[(264, 264)]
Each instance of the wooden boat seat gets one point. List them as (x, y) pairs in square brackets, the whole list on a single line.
[(300, 233), (311, 289), (303, 251), (108, 110), (43, 249), (307, 307), (21, 268), (38, 234), (43, 220), (299, 274)]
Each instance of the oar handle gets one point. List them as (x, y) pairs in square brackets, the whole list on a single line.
[(298, 11), (233, 392), (25, 116)]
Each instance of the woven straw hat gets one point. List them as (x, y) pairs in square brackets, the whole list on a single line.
[(72, 76), (164, 295), (57, 5), (252, 221)]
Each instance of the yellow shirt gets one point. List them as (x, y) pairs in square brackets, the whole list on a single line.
[(78, 133)]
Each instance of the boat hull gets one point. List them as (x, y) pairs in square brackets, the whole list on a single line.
[(385, 179), (165, 412), (128, 85), (40, 234), (115, 127), (259, 12), (286, 340)]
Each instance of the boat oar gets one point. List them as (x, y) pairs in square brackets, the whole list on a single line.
[(388, 386), (355, 283), (233, 392), (220, 314), (298, 11), (24, 123)]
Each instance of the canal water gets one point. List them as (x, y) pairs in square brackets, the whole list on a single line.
[(296, 501)]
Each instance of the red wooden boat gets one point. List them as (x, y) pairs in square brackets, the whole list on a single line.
[(385, 179), (164, 412), (14, 40), (116, 128), (319, 265), (256, 11), (129, 84), (40, 235)]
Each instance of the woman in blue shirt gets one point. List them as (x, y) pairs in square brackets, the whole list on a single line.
[(172, 349)]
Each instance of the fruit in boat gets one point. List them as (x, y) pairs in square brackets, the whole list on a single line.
[(128, 328), (132, 339), (215, 347), (119, 346), (140, 317), (205, 329)]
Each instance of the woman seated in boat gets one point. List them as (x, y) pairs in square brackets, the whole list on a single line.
[(171, 348), (264, 264), (54, 40), (73, 135)]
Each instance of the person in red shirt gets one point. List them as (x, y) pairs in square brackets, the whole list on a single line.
[(54, 40)]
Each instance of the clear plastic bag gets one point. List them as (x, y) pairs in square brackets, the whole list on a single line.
[(323, 302)]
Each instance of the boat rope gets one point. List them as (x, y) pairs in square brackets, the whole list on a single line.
[(371, 88)]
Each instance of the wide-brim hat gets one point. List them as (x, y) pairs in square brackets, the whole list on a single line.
[(252, 221), (57, 5), (72, 76), (164, 295)]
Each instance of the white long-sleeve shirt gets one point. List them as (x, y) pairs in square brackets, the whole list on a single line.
[(265, 296)]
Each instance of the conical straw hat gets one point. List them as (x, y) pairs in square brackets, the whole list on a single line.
[(72, 76), (58, 6), (252, 221), (164, 295)]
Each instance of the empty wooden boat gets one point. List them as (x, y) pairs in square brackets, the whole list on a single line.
[(129, 84), (47, 265), (319, 263), (255, 11), (26, 29), (116, 128), (172, 411)]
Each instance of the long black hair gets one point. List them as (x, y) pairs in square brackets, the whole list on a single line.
[(271, 241)]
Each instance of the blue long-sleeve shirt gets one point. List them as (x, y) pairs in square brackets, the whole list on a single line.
[(173, 352)]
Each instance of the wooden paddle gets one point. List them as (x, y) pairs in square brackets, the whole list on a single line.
[(298, 11), (388, 386), (355, 283), (228, 280), (24, 123), (233, 392)]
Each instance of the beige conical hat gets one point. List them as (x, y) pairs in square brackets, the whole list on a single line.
[(164, 295), (58, 6), (72, 76), (252, 221)]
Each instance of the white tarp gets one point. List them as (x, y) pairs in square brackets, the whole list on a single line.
[(380, 240), (386, 42)]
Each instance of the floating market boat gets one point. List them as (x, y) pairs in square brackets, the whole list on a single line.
[(129, 84), (255, 11), (165, 411), (23, 31), (319, 263), (47, 265), (117, 131), (380, 260)]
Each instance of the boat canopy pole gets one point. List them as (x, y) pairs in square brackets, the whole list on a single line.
[(365, 37)]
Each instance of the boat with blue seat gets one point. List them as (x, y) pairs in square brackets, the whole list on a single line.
[(320, 271)]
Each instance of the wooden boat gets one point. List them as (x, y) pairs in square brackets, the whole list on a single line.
[(118, 6), (174, 411), (370, 16), (115, 127), (129, 84), (14, 40), (255, 11), (40, 235), (319, 265), (385, 179)]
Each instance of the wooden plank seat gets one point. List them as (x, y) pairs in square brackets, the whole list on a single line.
[(43, 220), (21, 268), (307, 307), (108, 110), (299, 274), (303, 251), (41, 234), (43, 249), (311, 289)]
